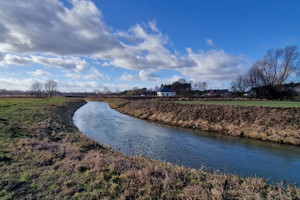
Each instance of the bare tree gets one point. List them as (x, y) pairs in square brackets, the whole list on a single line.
[(204, 86), (276, 67), (239, 84), (198, 85), (36, 89), (254, 77), (50, 88)]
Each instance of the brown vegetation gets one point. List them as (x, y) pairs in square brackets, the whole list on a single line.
[(281, 125), (50, 159)]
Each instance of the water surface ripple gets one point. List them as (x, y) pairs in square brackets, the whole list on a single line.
[(241, 156)]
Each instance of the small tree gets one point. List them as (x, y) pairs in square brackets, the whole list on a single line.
[(36, 89), (50, 88)]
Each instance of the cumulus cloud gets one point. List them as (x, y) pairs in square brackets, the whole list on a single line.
[(39, 72), (214, 64), (52, 34), (52, 28), (10, 59), (128, 77), (17, 84), (70, 63), (78, 86), (94, 74), (148, 76)]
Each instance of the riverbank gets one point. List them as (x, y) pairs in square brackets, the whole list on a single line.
[(44, 156), (274, 124)]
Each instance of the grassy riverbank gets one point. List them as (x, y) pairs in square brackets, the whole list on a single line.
[(274, 124), (44, 156), (281, 104)]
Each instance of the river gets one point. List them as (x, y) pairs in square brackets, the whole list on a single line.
[(241, 156)]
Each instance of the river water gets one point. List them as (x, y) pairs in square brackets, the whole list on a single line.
[(241, 156)]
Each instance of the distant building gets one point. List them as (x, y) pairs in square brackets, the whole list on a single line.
[(166, 92), (215, 93)]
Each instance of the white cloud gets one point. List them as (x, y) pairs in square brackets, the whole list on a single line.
[(52, 28), (214, 65), (78, 86), (94, 74), (17, 84), (148, 76), (128, 77), (52, 34), (10, 59), (72, 76), (153, 27), (210, 43), (39, 72), (70, 63)]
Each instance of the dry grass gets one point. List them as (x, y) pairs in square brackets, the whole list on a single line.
[(281, 125), (50, 159)]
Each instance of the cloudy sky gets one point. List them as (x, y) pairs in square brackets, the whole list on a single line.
[(89, 45)]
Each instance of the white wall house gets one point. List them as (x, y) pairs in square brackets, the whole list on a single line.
[(166, 92)]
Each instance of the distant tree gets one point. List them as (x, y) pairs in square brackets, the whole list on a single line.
[(106, 90), (204, 86), (96, 91), (50, 88), (198, 85), (239, 84), (36, 89), (181, 87), (253, 77)]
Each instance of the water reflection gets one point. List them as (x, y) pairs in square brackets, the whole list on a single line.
[(194, 149)]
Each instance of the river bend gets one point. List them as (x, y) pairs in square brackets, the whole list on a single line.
[(246, 157)]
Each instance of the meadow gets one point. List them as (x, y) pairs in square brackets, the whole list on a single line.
[(44, 156)]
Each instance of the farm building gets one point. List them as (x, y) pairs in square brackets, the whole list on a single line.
[(166, 92)]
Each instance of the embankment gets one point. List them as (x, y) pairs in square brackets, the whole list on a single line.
[(281, 125), (44, 156)]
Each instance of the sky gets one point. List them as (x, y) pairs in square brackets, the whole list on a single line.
[(89, 45)]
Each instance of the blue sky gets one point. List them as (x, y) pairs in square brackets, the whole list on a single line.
[(89, 45)]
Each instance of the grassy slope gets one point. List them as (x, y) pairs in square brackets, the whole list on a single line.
[(43, 156), (275, 124), (247, 103)]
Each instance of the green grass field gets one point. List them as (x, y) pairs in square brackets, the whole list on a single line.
[(247, 103), (10, 105)]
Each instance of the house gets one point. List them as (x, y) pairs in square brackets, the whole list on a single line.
[(166, 92)]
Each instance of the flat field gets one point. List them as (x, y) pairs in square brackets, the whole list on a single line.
[(247, 103), (10, 105)]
